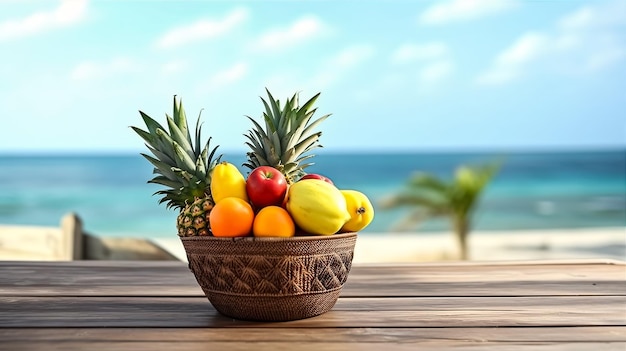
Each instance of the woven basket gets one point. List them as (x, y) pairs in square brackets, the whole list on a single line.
[(271, 279)]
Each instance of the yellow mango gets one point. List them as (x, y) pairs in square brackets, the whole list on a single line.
[(360, 209), (227, 181), (316, 206)]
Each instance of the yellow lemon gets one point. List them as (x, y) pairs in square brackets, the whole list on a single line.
[(227, 181), (360, 209)]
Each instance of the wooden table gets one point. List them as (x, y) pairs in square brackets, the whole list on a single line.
[(98, 305)]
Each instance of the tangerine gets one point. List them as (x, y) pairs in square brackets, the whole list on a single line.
[(231, 217), (273, 221)]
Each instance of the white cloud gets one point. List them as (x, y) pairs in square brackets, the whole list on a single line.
[(329, 72), (332, 74), (341, 64), (352, 56), (94, 70), (413, 52), (436, 71), (578, 19), (227, 76), (588, 17), (581, 42), (497, 76), (432, 61), (461, 10), (605, 58), (528, 47), (67, 13), (305, 28), (510, 63), (202, 29), (588, 35), (567, 41)]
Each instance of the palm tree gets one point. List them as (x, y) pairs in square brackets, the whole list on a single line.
[(434, 197)]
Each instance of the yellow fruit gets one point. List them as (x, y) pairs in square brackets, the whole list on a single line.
[(317, 207), (227, 181), (360, 209)]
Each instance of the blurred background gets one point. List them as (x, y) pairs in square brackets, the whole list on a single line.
[(412, 86)]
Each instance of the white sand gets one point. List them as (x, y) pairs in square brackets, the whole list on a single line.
[(605, 243)]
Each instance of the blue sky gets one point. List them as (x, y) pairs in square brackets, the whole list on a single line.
[(396, 75)]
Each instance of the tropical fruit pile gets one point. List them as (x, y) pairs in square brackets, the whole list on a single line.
[(276, 198)]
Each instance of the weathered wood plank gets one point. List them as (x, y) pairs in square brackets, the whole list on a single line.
[(110, 278), (469, 306), (348, 312), (284, 334), (174, 279), (438, 345), (44, 243)]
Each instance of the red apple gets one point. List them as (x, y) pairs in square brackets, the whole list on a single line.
[(317, 176), (266, 186)]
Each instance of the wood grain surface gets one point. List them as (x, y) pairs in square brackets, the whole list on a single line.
[(98, 305)]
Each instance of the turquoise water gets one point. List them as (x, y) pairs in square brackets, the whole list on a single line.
[(532, 191)]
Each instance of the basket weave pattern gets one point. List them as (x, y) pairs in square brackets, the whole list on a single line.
[(271, 278)]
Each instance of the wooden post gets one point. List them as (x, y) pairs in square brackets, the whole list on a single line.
[(72, 230)]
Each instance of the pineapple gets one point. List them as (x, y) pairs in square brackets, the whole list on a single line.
[(182, 167), (287, 136)]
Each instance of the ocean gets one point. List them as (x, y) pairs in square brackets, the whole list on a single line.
[(533, 190)]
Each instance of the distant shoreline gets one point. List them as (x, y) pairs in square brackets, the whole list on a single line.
[(531, 191), (35, 242), (427, 233), (605, 243)]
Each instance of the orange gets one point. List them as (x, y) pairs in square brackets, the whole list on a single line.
[(231, 217), (273, 221)]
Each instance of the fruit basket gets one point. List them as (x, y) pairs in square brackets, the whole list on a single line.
[(271, 279), (274, 245)]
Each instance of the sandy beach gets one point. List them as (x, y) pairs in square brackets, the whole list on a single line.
[(62, 243), (587, 243)]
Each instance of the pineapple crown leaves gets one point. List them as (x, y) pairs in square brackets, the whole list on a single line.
[(179, 162), (288, 134)]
